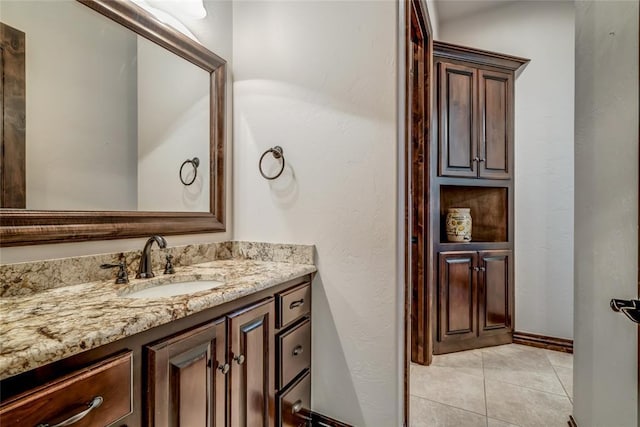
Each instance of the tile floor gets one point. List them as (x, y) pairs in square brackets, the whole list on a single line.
[(508, 385)]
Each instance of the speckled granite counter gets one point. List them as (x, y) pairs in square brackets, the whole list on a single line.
[(51, 324)]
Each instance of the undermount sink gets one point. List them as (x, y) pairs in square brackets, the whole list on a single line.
[(175, 289)]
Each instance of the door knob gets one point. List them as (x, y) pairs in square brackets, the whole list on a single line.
[(628, 307)]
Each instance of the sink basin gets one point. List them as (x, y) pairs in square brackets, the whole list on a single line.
[(175, 289)]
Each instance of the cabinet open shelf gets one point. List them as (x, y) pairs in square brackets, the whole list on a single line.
[(489, 211)]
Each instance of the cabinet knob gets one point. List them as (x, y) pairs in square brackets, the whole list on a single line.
[(298, 350), (482, 269), (224, 368), (476, 159), (296, 407), (482, 160), (239, 359)]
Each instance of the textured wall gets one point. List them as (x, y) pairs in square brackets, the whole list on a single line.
[(319, 79), (544, 33), (606, 245)]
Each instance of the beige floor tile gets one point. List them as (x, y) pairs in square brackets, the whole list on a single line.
[(522, 366), (449, 386), (526, 407), (558, 358), (566, 378), (516, 357), (515, 348), (541, 381), (425, 413), (468, 362), (491, 422)]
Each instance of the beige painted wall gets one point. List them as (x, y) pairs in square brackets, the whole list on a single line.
[(319, 79)]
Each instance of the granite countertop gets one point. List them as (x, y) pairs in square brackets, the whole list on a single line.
[(55, 323)]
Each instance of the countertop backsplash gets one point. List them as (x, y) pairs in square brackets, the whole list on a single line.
[(26, 278)]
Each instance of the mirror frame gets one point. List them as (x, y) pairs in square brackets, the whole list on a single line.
[(29, 227)]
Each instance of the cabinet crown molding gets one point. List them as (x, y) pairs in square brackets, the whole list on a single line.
[(478, 56)]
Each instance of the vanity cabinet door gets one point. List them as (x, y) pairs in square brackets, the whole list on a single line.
[(187, 377), (251, 337)]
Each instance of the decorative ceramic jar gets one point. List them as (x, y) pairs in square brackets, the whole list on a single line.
[(459, 224)]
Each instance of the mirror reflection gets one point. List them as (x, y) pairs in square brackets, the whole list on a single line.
[(110, 116)]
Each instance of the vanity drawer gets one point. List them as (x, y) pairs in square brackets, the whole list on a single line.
[(290, 403), (294, 350), (293, 304), (72, 395)]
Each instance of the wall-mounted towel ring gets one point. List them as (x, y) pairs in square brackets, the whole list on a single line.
[(195, 162), (277, 154)]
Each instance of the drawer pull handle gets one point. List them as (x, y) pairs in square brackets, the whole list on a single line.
[(224, 368), (298, 350), (239, 359), (295, 304), (95, 402), (296, 407)]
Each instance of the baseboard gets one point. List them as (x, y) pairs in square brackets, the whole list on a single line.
[(572, 422), (542, 341)]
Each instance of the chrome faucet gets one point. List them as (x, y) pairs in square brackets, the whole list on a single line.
[(145, 270)]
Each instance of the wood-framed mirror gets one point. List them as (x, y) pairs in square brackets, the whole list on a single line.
[(25, 225)]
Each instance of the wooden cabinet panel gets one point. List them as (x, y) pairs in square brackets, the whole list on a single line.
[(107, 384), (457, 127), (295, 400), (293, 304), (495, 292), (495, 107), (252, 368), (294, 352), (188, 375), (457, 308), (187, 378), (475, 300)]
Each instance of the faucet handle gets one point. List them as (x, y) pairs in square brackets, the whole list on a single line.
[(122, 276), (168, 267)]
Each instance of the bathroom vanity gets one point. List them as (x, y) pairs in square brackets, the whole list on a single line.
[(236, 354)]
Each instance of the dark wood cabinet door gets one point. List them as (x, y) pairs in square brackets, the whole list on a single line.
[(457, 131), (457, 297), (495, 290), (251, 336), (187, 378), (496, 121)]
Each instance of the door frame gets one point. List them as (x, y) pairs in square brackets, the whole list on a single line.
[(417, 329)]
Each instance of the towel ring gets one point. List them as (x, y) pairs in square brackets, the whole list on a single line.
[(195, 162), (277, 154)]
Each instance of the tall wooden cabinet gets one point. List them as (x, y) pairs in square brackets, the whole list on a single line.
[(472, 167)]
